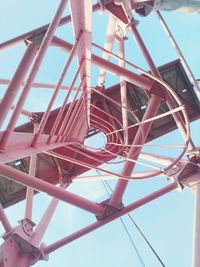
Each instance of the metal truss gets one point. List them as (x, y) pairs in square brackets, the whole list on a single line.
[(142, 107)]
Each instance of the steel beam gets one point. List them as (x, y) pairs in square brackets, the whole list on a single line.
[(126, 74), (50, 189), (134, 152), (40, 56), (17, 80), (39, 30), (196, 229), (98, 224)]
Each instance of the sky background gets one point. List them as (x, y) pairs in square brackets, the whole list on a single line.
[(167, 222)]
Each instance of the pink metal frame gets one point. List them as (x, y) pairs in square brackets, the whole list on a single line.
[(70, 127)]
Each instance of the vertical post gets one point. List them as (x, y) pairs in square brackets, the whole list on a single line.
[(123, 92), (17, 80), (43, 224), (30, 191), (41, 53), (108, 46), (134, 152), (196, 230)]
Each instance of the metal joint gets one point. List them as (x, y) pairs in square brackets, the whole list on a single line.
[(27, 226), (194, 155), (109, 210), (37, 38), (181, 172)]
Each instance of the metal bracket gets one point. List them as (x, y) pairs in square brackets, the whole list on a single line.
[(27, 226), (182, 173), (36, 38), (194, 155), (109, 210)]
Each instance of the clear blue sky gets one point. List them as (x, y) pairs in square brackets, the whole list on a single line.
[(167, 222)]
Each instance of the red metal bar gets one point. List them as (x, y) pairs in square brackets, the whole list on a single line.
[(75, 120), (68, 120), (24, 112), (62, 109), (39, 30), (4, 220), (123, 92), (196, 227), (50, 189), (134, 152), (108, 46), (38, 85), (178, 119), (29, 190), (57, 88), (41, 53), (127, 75), (44, 222), (81, 13), (98, 224), (17, 80)]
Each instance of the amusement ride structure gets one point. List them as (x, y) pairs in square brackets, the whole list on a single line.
[(49, 150)]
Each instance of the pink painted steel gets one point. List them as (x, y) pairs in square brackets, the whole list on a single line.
[(29, 190), (41, 53), (108, 46), (128, 75), (44, 222), (98, 224), (178, 119), (62, 110), (15, 83), (139, 139), (4, 220), (22, 141), (75, 120), (70, 116), (39, 31), (81, 13), (123, 92), (57, 88), (38, 85), (50, 189), (24, 112)]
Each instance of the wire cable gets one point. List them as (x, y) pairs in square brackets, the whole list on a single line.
[(126, 230), (140, 231)]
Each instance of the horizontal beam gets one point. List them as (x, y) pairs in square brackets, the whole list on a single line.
[(106, 220), (38, 85), (108, 66), (38, 31), (50, 189)]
